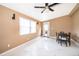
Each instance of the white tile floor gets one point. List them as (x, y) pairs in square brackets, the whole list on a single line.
[(42, 46)]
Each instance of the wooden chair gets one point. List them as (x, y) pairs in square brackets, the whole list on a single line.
[(63, 38), (68, 38)]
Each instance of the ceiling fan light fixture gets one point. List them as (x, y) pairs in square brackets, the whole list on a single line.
[(47, 6)]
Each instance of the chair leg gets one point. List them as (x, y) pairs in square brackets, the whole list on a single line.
[(69, 43), (61, 43), (66, 43), (58, 41)]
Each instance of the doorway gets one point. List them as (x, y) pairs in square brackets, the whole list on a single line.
[(46, 29)]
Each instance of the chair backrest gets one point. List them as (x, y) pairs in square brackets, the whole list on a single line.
[(64, 35), (69, 35)]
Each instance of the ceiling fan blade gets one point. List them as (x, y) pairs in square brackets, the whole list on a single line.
[(43, 10), (53, 4), (39, 7), (51, 9), (46, 4)]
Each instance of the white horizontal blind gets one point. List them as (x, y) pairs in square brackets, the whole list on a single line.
[(24, 26), (33, 26)]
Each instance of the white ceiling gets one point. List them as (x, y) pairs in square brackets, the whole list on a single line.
[(28, 9)]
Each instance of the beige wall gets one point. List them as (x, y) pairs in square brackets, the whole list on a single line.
[(63, 23), (9, 29), (75, 18)]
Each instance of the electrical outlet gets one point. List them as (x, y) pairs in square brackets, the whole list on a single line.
[(8, 45)]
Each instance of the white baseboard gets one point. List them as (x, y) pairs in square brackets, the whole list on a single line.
[(14, 48), (75, 42)]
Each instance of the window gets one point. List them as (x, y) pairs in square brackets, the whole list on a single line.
[(26, 26), (46, 26), (33, 26)]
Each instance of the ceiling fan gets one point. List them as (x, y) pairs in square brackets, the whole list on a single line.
[(47, 6)]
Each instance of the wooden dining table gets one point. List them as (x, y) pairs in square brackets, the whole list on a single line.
[(63, 38)]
